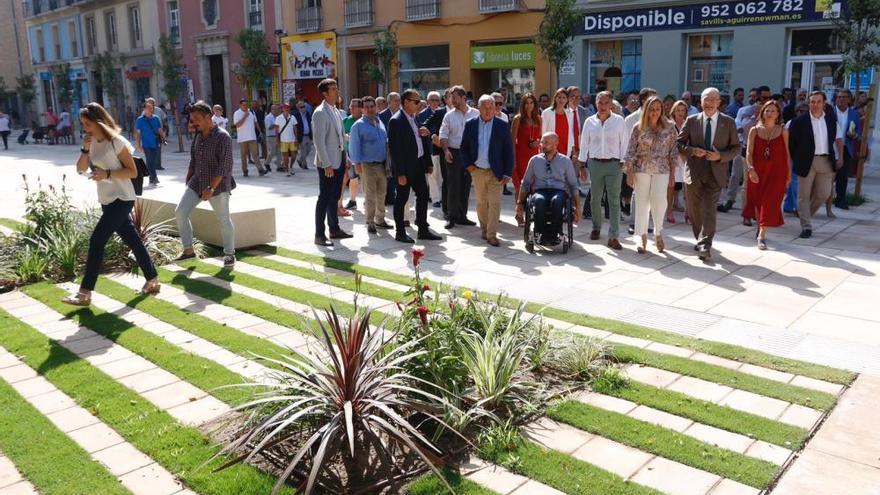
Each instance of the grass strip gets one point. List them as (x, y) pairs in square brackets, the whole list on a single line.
[(180, 449), (245, 304), (203, 373), (667, 443), (726, 376), (564, 472), (45, 455), (218, 333), (276, 289), (12, 224), (729, 351), (701, 411), (430, 484)]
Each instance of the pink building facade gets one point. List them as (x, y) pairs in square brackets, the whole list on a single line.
[(205, 32)]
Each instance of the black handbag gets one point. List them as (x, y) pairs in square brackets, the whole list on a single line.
[(142, 171)]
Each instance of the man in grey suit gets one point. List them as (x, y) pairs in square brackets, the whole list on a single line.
[(328, 139), (709, 141)]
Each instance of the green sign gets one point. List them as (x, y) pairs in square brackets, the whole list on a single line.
[(503, 56)]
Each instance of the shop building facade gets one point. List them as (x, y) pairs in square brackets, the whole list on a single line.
[(690, 46), (481, 44)]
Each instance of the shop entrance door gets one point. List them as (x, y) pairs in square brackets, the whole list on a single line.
[(517, 81), (815, 73)]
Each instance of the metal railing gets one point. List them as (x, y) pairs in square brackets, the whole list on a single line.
[(38, 7), (308, 19), (489, 6), (420, 10), (358, 13)]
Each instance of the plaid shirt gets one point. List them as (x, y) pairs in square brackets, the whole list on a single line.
[(211, 157)]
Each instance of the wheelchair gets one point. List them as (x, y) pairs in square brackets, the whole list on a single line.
[(532, 233)]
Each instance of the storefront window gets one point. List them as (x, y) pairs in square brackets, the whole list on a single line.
[(709, 62), (425, 68), (815, 42), (615, 65)]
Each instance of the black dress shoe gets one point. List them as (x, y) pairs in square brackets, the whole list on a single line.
[(806, 234), (725, 207), (450, 224), (384, 225), (340, 234), (631, 229), (437, 204), (465, 221), (696, 247), (428, 235), (403, 237), (322, 241), (843, 206), (626, 209), (705, 255), (371, 229), (507, 192), (160, 168)]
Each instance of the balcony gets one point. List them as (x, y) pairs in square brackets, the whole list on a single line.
[(39, 7), (420, 10), (358, 13), (492, 6), (308, 19)]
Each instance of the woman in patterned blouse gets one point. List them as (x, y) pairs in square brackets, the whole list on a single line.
[(651, 156)]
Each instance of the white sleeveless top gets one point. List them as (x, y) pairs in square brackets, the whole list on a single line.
[(104, 155)]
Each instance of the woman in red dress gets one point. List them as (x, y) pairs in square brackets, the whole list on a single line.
[(526, 130), (769, 171)]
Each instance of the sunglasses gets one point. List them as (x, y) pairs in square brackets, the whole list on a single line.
[(414, 100)]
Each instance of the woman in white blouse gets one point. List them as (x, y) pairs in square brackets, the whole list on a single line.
[(218, 119), (108, 155), (559, 119)]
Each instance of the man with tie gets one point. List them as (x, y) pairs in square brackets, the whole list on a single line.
[(410, 155), (487, 151), (328, 138), (709, 141)]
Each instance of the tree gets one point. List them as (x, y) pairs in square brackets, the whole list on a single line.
[(256, 68), (169, 67), (857, 28), (385, 49), (105, 66), (26, 88), (555, 33), (64, 90)]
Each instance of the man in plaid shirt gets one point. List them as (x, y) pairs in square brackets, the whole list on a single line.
[(209, 178)]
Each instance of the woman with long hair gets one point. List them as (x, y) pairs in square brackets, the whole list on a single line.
[(678, 112), (768, 170), (560, 119), (650, 164), (108, 155), (526, 130)]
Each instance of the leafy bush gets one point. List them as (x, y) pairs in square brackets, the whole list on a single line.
[(580, 358), (497, 442), (31, 265), (608, 380)]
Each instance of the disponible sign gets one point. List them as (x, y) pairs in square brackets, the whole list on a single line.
[(709, 15), (503, 56)]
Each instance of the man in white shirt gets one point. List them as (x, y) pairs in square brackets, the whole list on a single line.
[(601, 151), (246, 128), (285, 125), (273, 155), (451, 131)]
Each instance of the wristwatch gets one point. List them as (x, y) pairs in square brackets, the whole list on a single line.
[(83, 151)]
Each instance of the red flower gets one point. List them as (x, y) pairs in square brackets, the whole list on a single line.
[(423, 314), (426, 288), (417, 254)]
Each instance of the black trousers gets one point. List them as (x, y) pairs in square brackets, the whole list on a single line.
[(548, 223), (458, 192), (329, 190), (419, 185), (116, 217), (390, 190), (5, 136), (841, 178)]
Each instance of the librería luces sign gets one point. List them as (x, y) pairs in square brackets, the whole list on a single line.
[(521, 55)]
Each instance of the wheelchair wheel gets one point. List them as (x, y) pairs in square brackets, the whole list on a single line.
[(528, 233), (568, 238)]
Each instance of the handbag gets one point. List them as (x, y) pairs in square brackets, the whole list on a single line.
[(142, 171)]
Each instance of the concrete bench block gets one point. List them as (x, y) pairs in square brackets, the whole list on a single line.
[(253, 227)]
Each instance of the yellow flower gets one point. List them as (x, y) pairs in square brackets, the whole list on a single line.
[(467, 295)]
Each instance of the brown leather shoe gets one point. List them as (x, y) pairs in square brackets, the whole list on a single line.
[(594, 235), (493, 241), (614, 244)]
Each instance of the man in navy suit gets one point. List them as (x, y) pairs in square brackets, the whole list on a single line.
[(410, 155), (816, 149), (487, 150), (849, 125), (385, 116)]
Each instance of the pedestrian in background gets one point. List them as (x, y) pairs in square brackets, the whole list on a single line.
[(355, 110), (526, 134), (303, 134), (4, 130), (273, 154), (109, 155), (218, 119), (246, 129), (559, 119), (158, 111), (284, 127), (148, 135)]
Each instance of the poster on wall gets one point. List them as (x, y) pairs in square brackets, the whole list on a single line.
[(289, 91), (309, 56)]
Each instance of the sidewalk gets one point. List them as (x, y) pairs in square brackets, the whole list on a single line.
[(807, 299)]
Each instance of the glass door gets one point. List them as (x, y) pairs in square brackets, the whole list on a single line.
[(819, 73)]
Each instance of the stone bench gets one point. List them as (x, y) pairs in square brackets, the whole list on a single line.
[(253, 227)]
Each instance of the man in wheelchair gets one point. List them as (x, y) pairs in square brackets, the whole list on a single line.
[(547, 187)]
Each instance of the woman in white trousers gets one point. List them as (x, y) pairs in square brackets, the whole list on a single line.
[(650, 165)]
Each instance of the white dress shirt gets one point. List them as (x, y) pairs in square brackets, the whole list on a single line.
[(820, 134), (603, 140), (842, 122), (452, 128), (714, 120)]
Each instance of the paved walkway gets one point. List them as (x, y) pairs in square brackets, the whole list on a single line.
[(807, 299)]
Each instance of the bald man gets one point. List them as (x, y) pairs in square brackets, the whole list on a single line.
[(551, 178)]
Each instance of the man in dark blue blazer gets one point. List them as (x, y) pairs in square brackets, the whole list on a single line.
[(816, 150), (850, 126), (303, 133), (487, 149), (410, 155), (393, 107)]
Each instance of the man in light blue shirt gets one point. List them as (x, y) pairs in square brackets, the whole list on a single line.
[(483, 146), (368, 152)]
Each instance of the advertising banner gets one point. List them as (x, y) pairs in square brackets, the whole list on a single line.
[(521, 55), (708, 15), (308, 56)]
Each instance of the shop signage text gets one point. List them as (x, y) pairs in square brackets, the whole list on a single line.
[(709, 15), (309, 56), (503, 56)]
